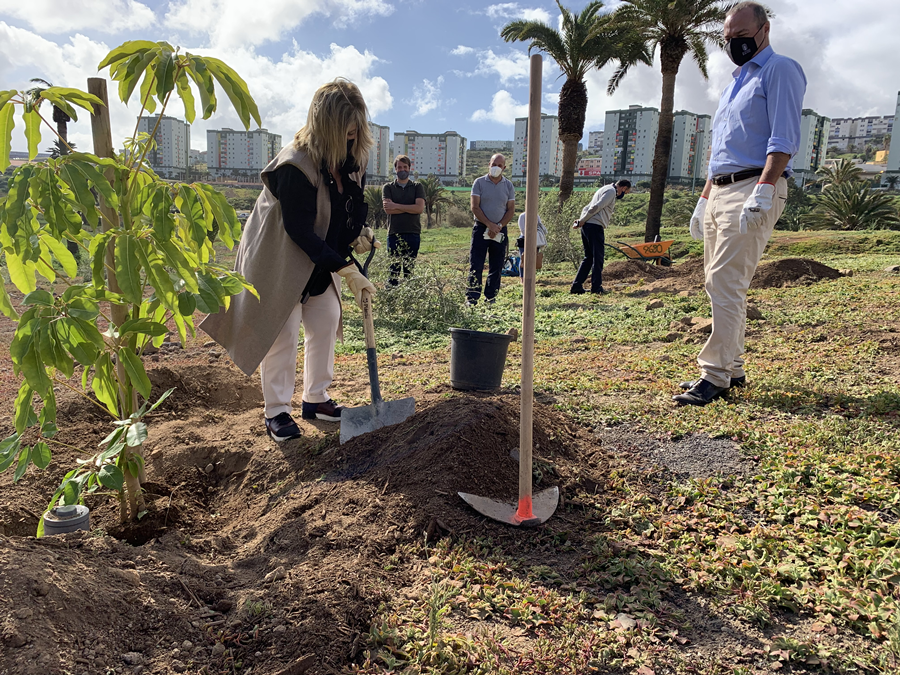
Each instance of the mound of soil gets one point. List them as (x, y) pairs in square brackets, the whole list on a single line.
[(687, 274)]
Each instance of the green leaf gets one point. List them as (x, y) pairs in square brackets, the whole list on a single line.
[(71, 491), (44, 298), (7, 123), (159, 209), (146, 90), (9, 446), (60, 103), (111, 476), (52, 351), (83, 308), (186, 303), (157, 276), (165, 74), (137, 434), (86, 165), (56, 202), (161, 399), (125, 51), (35, 372), (104, 384), (128, 72), (187, 96), (128, 268), (97, 250), (40, 455), (6, 95), (181, 263), (143, 325), (83, 99), (136, 373), (22, 466), (222, 211), (6, 305), (21, 274), (49, 429), (113, 437), (32, 132), (81, 189), (201, 76), (236, 90)]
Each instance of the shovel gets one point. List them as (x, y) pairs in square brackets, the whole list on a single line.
[(381, 413), (531, 509)]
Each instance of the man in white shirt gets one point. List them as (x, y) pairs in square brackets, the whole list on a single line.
[(594, 219)]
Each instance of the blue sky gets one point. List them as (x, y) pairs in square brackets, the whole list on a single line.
[(422, 64)]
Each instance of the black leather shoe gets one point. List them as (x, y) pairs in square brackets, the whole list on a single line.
[(599, 291), (701, 393), (735, 382), (577, 289)]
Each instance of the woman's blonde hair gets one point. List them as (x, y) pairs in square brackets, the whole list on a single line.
[(335, 107)]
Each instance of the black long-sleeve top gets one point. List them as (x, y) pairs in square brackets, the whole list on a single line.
[(298, 210)]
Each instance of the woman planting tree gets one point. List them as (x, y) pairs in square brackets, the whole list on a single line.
[(295, 248)]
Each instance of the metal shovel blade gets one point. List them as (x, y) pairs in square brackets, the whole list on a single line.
[(543, 505), (362, 420)]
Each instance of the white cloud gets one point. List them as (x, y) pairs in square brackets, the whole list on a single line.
[(427, 97), (504, 110), (509, 11), (510, 68), (231, 24), (104, 16), (462, 50), (282, 88)]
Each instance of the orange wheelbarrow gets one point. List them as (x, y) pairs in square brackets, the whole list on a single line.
[(650, 252)]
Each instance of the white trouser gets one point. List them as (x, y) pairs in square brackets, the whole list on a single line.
[(729, 262), (278, 370)]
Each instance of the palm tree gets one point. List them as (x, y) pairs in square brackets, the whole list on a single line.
[(587, 40), (434, 196), (853, 206), (891, 180), (373, 196), (677, 28), (844, 171)]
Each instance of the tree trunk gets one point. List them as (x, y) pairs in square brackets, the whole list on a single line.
[(671, 59), (572, 108)]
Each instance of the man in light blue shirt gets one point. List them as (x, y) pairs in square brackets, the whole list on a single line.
[(756, 132)]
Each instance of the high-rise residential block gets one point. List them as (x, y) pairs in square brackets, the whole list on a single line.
[(857, 132), (380, 159), (893, 160), (691, 140), (550, 162), (629, 139), (240, 153), (171, 156), (444, 154), (813, 144), (595, 141), (497, 146)]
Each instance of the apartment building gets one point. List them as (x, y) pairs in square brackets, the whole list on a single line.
[(595, 141), (691, 142), (243, 154), (591, 166), (496, 146), (171, 156), (444, 154), (813, 145), (893, 159), (629, 139), (550, 162), (845, 132), (381, 163)]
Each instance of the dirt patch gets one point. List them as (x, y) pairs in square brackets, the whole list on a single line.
[(252, 553), (687, 275)]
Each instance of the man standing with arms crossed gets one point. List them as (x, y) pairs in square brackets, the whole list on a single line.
[(493, 204), (404, 201), (755, 133)]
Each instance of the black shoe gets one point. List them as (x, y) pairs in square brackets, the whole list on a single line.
[(735, 382), (600, 291), (328, 411), (282, 428), (701, 393), (577, 289)]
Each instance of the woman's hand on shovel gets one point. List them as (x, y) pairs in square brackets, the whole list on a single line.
[(356, 282)]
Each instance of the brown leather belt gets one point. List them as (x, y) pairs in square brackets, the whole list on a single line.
[(728, 178)]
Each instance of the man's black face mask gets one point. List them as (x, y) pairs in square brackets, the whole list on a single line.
[(742, 49)]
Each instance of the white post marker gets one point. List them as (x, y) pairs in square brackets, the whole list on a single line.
[(530, 509)]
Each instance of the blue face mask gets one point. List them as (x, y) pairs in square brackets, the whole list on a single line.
[(620, 195), (403, 175)]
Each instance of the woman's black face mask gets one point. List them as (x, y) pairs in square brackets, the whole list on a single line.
[(742, 49)]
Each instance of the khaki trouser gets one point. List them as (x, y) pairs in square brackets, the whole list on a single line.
[(729, 261), (278, 370)]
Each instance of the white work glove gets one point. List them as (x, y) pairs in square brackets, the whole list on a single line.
[(365, 241), (757, 206), (356, 282), (576, 225), (697, 218)]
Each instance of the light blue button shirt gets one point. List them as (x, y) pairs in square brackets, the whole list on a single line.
[(759, 113)]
